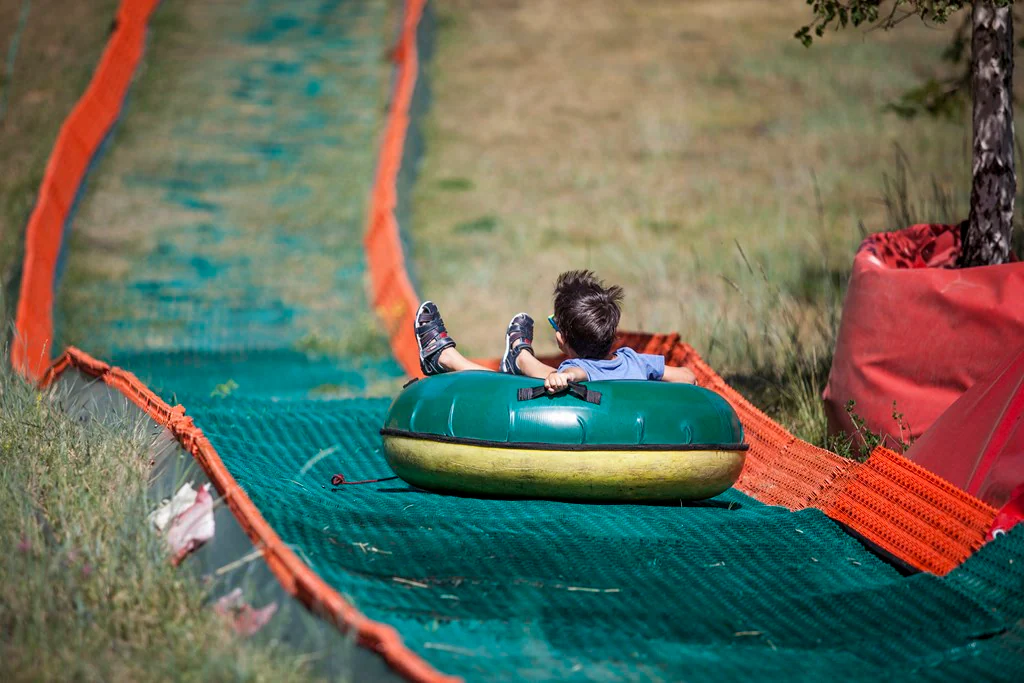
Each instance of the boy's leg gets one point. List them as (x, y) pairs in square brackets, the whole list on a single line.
[(530, 366), (453, 361), (432, 338), (438, 353), (519, 358), (437, 348)]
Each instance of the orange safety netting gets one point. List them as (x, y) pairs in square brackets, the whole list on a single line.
[(900, 506), (897, 505), (80, 137), (392, 293), (295, 575)]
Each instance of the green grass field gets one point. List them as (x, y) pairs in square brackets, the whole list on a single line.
[(651, 141)]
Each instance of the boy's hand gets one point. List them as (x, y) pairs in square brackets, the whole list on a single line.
[(557, 381)]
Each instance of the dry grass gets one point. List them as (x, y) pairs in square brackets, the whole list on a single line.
[(87, 591), (647, 140)]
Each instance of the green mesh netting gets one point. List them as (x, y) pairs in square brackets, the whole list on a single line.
[(218, 256), (220, 241), (490, 589)]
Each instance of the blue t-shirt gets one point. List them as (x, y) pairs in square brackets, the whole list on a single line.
[(625, 364)]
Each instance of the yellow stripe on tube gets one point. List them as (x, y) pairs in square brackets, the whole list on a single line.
[(565, 474)]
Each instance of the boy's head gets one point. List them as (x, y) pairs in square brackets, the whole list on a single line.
[(587, 313)]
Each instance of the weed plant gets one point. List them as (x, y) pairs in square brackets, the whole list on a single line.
[(781, 355), (87, 591)]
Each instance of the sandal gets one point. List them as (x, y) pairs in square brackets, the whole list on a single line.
[(518, 338), (431, 338)]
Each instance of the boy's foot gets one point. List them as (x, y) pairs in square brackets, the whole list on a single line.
[(518, 338), (431, 337)]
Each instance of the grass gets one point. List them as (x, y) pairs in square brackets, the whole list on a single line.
[(87, 591), (56, 54), (692, 152)]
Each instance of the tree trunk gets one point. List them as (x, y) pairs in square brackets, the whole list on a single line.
[(987, 238)]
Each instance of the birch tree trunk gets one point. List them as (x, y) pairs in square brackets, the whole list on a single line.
[(987, 239)]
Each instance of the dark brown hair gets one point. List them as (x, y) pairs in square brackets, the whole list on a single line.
[(587, 313)]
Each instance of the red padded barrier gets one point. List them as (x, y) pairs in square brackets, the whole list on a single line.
[(918, 331), (987, 457), (901, 507)]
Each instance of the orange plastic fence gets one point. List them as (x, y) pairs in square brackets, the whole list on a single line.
[(392, 294), (901, 507), (80, 137), (295, 576)]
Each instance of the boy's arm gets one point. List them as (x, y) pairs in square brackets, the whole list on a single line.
[(679, 375), (557, 381)]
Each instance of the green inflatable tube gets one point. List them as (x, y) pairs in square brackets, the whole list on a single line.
[(485, 433)]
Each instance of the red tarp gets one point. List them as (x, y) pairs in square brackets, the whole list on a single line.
[(1009, 515), (978, 444), (918, 331)]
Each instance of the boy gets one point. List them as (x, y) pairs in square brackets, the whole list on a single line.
[(585, 321)]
